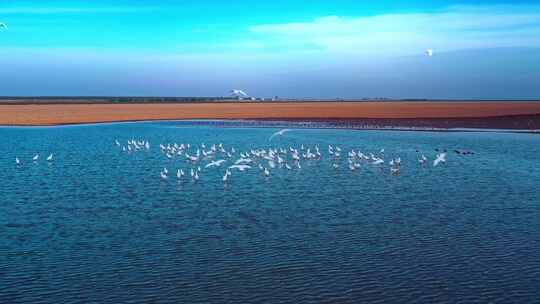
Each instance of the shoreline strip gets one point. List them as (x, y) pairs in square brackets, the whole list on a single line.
[(450, 115)]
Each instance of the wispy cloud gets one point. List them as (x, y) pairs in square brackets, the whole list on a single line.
[(454, 28)]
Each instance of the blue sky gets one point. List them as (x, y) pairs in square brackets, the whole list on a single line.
[(309, 49)]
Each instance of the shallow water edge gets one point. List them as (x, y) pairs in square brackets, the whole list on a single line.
[(256, 123)]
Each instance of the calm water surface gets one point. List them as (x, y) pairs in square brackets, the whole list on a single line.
[(98, 225)]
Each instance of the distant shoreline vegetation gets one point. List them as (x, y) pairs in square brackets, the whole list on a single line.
[(160, 100)]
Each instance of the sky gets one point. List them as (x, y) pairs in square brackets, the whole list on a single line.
[(292, 49)]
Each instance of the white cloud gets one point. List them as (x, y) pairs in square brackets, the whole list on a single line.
[(454, 28)]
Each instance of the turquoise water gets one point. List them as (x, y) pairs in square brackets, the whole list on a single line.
[(99, 225)]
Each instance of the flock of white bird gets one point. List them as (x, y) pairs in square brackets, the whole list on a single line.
[(35, 159), (201, 158), (266, 160), (217, 156)]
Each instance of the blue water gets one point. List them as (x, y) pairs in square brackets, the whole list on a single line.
[(98, 225)]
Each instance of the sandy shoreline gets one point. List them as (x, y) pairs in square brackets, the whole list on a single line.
[(489, 115)]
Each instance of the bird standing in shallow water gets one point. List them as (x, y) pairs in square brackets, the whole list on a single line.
[(179, 174), (226, 176)]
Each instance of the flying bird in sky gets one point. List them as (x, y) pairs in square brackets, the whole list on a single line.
[(3, 26), (239, 93), (429, 52), (441, 158), (279, 133)]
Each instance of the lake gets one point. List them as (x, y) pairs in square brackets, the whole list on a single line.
[(100, 225)]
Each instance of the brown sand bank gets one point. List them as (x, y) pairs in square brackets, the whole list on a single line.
[(523, 115)]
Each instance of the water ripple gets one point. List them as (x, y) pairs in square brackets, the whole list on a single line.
[(98, 226)]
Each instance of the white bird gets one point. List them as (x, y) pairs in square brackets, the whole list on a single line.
[(240, 167), (278, 133), (243, 161), (239, 93), (36, 157), (165, 171), (423, 159), (226, 176), (163, 175), (117, 143), (196, 176), (17, 161), (216, 163), (179, 173), (441, 158), (266, 172), (378, 162), (192, 158), (429, 52), (50, 158)]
